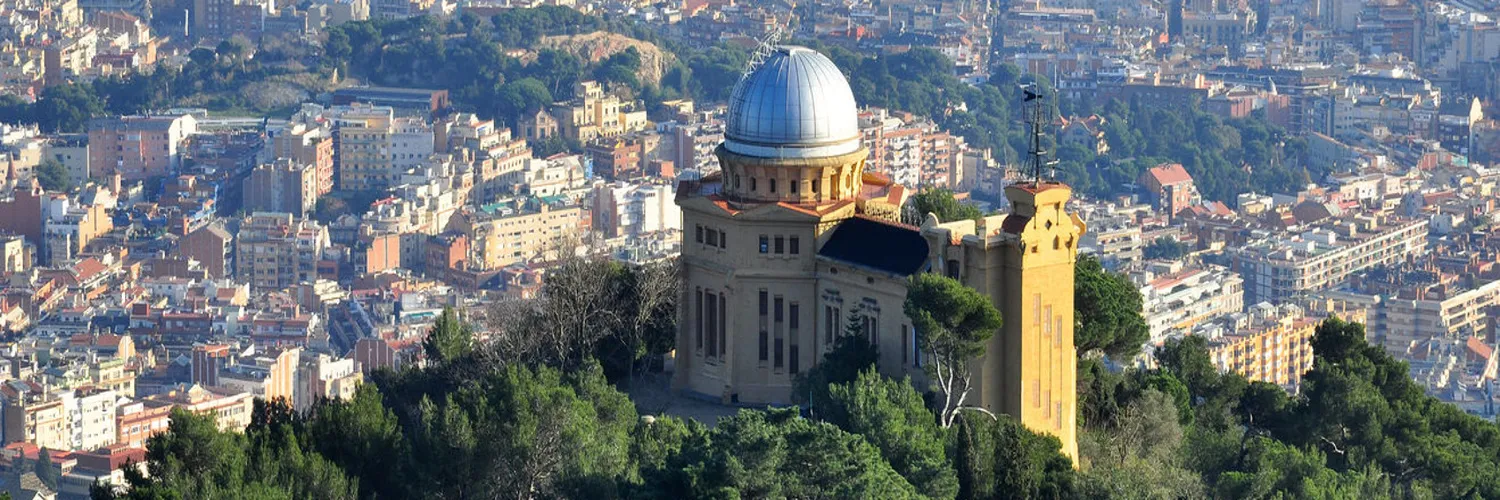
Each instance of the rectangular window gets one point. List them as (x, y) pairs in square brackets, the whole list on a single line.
[(765, 304), (796, 245), (698, 296), (773, 185), (764, 347), (713, 322), (794, 184), (698, 231), (795, 366), (916, 342), (1046, 320), (723, 239), (1036, 393), (765, 244), (1036, 310), (815, 185), (793, 322), (780, 244), (723, 324), (713, 238), (779, 355), (830, 321), (905, 341), (1057, 339)]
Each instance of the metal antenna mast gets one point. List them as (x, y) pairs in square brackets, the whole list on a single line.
[(1038, 155)]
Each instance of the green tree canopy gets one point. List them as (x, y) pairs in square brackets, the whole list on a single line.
[(953, 322), (775, 454), (891, 415), (1107, 312), (449, 338), (940, 202), (53, 176)]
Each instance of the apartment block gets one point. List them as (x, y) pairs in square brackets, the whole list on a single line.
[(1177, 297), (274, 251), (593, 114), (138, 147), (283, 186), (1422, 299), (71, 224), (1283, 266), (628, 209), (1171, 187), (91, 417), (1267, 344), (208, 361), (135, 423), (231, 409), (271, 375), (503, 236), (616, 158), (373, 147), (221, 19), (37, 418), (695, 145), (308, 144), (322, 377), (212, 246)]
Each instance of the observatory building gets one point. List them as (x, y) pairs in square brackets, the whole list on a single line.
[(792, 245)]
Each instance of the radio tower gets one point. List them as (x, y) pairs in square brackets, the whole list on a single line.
[(1037, 153)]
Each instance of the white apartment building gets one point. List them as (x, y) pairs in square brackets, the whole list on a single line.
[(1280, 267), (630, 209), (325, 377), (91, 419), (1176, 297)]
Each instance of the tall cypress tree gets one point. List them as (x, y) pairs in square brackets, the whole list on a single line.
[(966, 462), (45, 471)]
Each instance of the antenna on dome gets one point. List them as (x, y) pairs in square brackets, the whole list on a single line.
[(767, 46)]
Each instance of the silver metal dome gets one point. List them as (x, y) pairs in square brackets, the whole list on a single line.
[(795, 105)]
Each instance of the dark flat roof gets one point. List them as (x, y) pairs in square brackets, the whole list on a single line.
[(877, 244)]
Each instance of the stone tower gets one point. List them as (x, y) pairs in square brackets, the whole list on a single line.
[(1024, 261)]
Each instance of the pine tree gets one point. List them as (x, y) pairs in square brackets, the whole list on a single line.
[(854, 323), (449, 338)]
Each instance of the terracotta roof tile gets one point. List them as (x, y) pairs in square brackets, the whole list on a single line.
[(1168, 174)]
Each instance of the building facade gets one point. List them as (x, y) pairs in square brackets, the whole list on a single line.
[(274, 251), (1280, 268), (282, 186), (1175, 297), (138, 147)]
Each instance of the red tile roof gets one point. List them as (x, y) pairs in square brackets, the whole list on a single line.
[(1168, 174), (1480, 348)]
